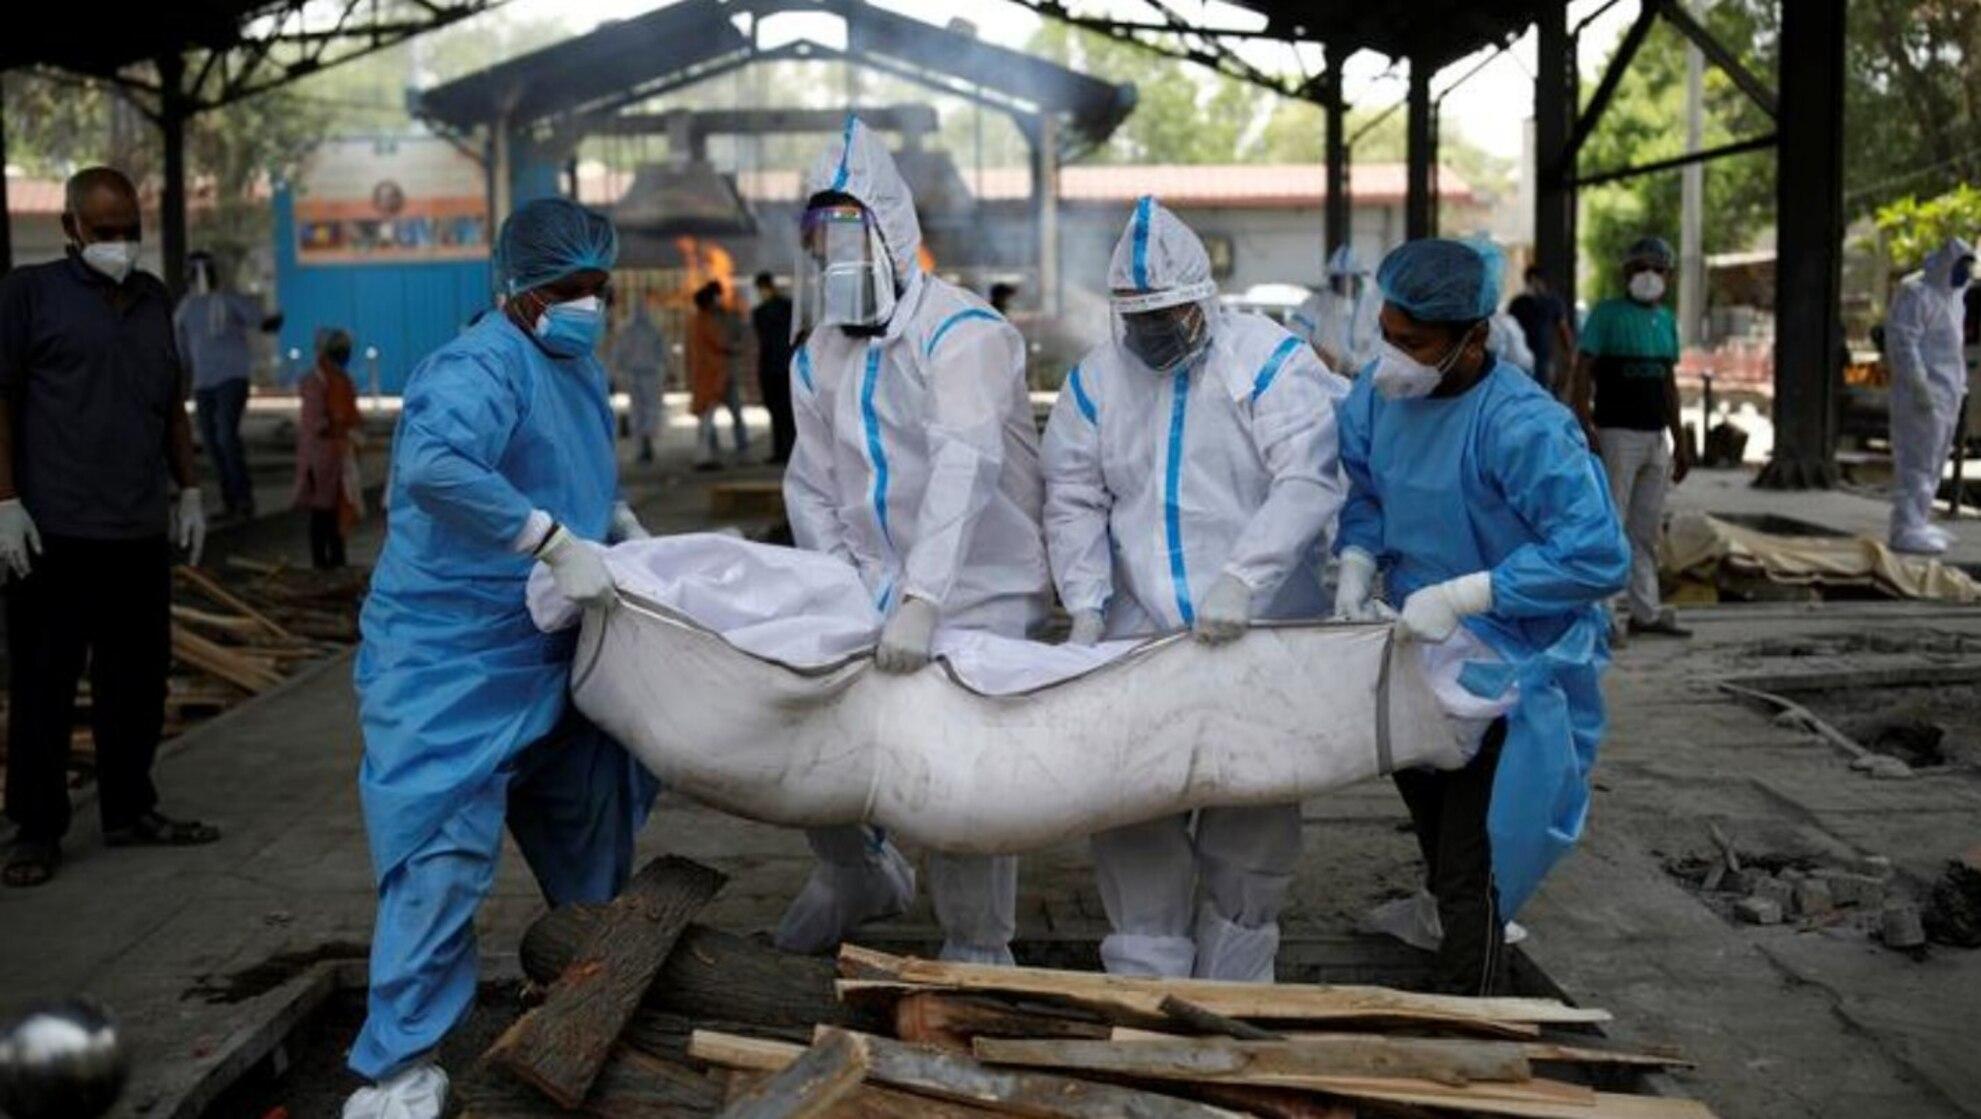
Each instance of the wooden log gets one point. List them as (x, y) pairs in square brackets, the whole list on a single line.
[(1535, 1051), (213, 590), (713, 974), (560, 1046), (951, 1021), (874, 1101), (1488, 1099), (808, 1086), (633, 1085), (220, 662), (1202, 1021), (950, 1077), (1234, 1000), (1278, 1064)]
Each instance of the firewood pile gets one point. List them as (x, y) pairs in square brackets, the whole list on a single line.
[(647, 1013), (235, 638)]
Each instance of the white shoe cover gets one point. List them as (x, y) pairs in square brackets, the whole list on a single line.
[(1920, 541), (1414, 921), (416, 1092), (839, 898), (1167, 957), (1229, 951)]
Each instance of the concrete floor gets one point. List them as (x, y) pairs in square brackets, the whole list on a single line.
[(196, 949)]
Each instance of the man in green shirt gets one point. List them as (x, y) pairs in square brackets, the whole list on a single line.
[(1625, 359)]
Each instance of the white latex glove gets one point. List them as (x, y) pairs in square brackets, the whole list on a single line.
[(1354, 586), (1226, 611), (625, 525), (418, 1092), (1433, 613), (189, 524), (1087, 628), (904, 643), (20, 541), (581, 575)]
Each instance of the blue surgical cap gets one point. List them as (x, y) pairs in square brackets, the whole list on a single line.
[(1441, 280), (549, 239)]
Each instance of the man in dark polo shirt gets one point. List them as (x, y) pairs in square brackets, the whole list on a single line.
[(92, 427), (1628, 355)]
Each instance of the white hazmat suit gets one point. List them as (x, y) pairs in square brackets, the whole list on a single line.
[(1160, 486), (1341, 319), (917, 462), (1923, 331)]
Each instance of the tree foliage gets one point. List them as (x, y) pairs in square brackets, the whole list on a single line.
[(1913, 228), (1912, 124)]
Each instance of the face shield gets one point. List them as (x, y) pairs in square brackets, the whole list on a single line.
[(845, 277), (1164, 329)]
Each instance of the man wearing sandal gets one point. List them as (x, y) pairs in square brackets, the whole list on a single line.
[(93, 440)]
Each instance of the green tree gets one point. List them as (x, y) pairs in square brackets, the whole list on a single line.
[(1913, 228), (1912, 123)]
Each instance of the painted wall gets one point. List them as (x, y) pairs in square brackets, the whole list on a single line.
[(406, 310)]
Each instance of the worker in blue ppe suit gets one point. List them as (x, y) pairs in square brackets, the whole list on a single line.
[(1923, 335), (1339, 320), (1476, 496), (1190, 478), (917, 463), (504, 458)]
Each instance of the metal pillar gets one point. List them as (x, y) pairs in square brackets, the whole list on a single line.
[(1421, 151), (1045, 202), (172, 113), (1555, 97), (6, 218), (1337, 198), (1692, 208), (501, 186), (1808, 269)]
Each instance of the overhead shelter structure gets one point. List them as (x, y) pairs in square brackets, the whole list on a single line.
[(529, 113), (1431, 34), (175, 61)]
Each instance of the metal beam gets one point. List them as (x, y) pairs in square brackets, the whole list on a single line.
[(1626, 50), (1809, 261), (6, 218), (1555, 98), (1737, 147), (1717, 53), (1213, 54), (1337, 200), (173, 109), (1420, 152)]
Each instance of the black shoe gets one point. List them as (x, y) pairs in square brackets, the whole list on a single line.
[(155, 830)]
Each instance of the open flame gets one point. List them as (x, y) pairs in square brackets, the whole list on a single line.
[(702, 261)]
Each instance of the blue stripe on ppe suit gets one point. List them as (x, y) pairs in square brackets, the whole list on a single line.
[(1500, 479), (455, 684)]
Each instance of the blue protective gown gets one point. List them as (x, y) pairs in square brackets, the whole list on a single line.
[(459, 693), (1501, 479)]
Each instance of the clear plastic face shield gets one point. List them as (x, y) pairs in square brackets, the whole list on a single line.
[(1165, 329), (845, 277)]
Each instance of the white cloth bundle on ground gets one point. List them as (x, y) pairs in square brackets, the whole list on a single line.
[(739, 673)]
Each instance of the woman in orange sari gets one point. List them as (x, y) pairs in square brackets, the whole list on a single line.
[(713, 343), (326, 462)]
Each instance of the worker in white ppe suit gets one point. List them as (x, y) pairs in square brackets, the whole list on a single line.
[(1340, 319), (917, 462), (1928, 382), (1191, 479)]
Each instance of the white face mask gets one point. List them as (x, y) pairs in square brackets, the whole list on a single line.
[(114, 259), (1400, 376), (1647, 287)]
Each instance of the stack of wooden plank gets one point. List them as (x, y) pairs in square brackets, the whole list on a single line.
[(648, 1014), (234, 640)]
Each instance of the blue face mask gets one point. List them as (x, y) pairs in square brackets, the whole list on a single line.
[(572, 329)]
